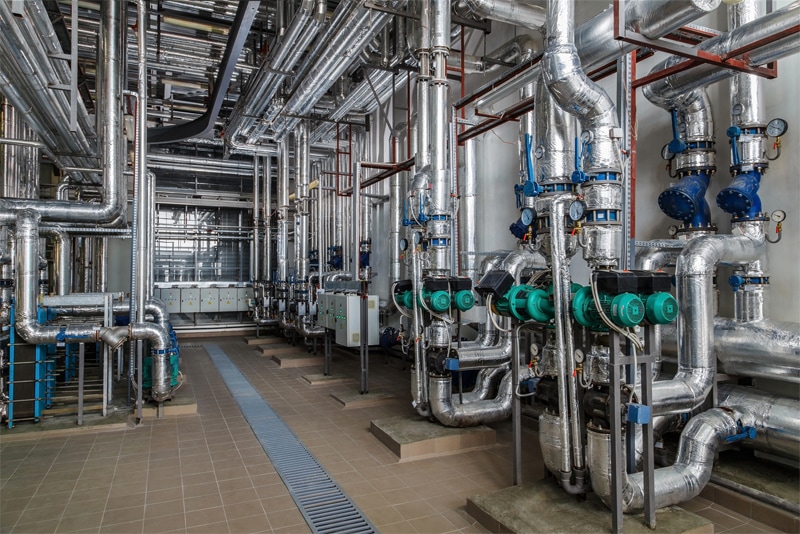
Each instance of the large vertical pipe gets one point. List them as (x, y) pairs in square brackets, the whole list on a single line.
[(468, 211), (355, 206), (255, 256), (423, 158), (303, 171), (266, 210), (395, 206), (63, 263), (140, 166), (283, 210)]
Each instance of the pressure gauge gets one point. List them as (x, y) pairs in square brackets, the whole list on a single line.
[(672, 230), (403, 244), (778, 216), (666, 153), (737, 109), (579, 356), (534, 350), (577, 210), (417, 238), (539, 152), (777, 127), (586, 136), (526, 216)]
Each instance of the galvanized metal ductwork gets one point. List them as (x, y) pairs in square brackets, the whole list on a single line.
[(509, 12)]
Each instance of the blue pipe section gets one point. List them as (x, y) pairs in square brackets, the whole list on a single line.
[(686, 202), (741, 199)]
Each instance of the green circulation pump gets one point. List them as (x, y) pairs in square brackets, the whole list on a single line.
[(464, 300), (526, 303), (407, 299), (624, 310), (660, 308), (437, 301)]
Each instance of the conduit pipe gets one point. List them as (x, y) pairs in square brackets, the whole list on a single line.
[(473, 413), (694, 275), (672, 87), (677, 483), (111, 209)]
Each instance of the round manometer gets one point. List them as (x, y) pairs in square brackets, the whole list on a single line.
[(539, 152), (586, 136), (403, 244), (777, 127), (417, 238), (526, 216), (672, 230), (737, 109), (579, 356), (577, 210), (666, 153), (778, 216)]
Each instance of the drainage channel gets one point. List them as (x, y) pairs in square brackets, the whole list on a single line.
[(322, 502)]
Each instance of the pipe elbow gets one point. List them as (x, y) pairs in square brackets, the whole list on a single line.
[(151, 332)]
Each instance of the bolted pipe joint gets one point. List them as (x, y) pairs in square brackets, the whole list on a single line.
[(740, 198), (685, 201)]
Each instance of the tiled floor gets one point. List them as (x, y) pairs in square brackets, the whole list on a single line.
[(208, 473)]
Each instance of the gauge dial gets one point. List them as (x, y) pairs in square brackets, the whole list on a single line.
[(577, 210), (417, 238), (579, 356), (403, 244), (672, 230), (778, 216), (586, 136), (777, 127), (526, 216), (666, 153), (737, 109), (539, 152)]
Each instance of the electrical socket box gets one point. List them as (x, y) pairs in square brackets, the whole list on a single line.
[(228, 299), (190, 300), (172, 298), (210, 300), (347, 316), (243, 295)]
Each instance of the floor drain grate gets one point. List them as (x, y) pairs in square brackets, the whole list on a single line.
[(322, 502)]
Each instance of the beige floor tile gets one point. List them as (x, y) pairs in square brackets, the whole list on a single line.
[(244, 525)]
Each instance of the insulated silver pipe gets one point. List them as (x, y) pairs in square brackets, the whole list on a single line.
[(776, 419), (510, 12), (554, 134), (141, 177), (255, 254), (747, 103), (396, 203), (561, 278), (283, 211), (474, 413), (760, 349), (345, 45), (468, 215), (63, 263), (302, 173), (671, 88), (694, 275), (266, 210), (675, 484), (111, 209)]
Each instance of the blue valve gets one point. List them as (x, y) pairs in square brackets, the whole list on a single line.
[(734, 132), (578, 176), (451, 364), (676, 146), (736, 282), (742, 432)]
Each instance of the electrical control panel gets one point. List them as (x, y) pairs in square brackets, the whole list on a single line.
[(243, 296), (172, 298), (344, 317), (210, 300), (190, 300), (228, 299)]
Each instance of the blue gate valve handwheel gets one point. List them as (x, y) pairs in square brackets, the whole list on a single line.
[(742, 432), (579, 177), (676, 146), (736, 281)]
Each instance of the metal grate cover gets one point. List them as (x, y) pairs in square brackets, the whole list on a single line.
[(322, 502)]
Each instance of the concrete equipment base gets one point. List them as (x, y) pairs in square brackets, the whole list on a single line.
[(273, 350), (327, 380), (269, 340), (296, 359), (544, 507), (411, 437), (354, 399)]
